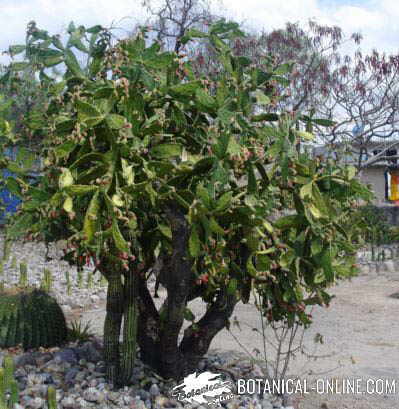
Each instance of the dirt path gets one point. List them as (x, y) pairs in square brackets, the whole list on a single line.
[(361, 340)]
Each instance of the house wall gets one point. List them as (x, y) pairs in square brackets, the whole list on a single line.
[(375, 177)]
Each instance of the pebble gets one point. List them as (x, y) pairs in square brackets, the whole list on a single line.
[(93, 395)]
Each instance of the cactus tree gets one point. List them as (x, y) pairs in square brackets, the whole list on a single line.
[(152, 169)]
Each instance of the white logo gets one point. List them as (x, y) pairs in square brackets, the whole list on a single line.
[(196, 388)]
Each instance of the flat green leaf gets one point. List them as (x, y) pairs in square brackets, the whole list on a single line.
[(88, 113), (120, 242), (186, 89), (115, 121), (91, 218), (72, 63), (19, 66), (323, 122), (80, 190), (307, 136), (232, 286), (68, 204), (65, 149), (165, 230), (306, 190), (194, 244), (166, 150), (204, 98), (262, 98), (224, 201), (214, 226), (283, 69), (66, 178), (16, 49)]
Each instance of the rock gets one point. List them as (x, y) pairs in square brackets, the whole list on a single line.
[(154, 390), (66, 308), (25, 359), (66, 355), (257, 371), (68, 402), (36, 403), (138, 404), (93, 395), (71, 374), (144, 395), (95, 299), (90, 352), (266, 404), (42, 359)]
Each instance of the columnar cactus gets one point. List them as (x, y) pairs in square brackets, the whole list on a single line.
[(32, 318), (47, 280)]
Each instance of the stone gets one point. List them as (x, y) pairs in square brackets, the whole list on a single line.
[(36, 403), (90, 352), (66, 355), (138, 404), (42, 359), (71, 374), (266, 404), (68, 402), (25, 359), (154, 390), (93, 395)]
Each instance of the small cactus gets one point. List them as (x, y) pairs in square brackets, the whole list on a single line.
[(47, 280), (23, 274), (14, 263), (80, 278), (89, 280), (103, 281), (6, 250), (68, 282), (9, 392), (1, 268), (51, 398)]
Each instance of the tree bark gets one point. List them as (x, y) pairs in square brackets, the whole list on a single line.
[(179, 280)]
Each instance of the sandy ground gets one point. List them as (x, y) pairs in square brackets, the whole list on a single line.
[(361, 341)]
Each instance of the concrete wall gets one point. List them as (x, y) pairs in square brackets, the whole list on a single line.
[(375, 177)]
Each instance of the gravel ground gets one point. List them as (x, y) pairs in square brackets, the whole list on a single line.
[(359, 330), (77, 371)]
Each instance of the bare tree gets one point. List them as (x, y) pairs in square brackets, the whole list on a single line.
[(173, 18)]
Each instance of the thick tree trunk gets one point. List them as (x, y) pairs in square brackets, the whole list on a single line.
[(179, 279), (148, 328), (112, 327), (130, 314), (196, 341)]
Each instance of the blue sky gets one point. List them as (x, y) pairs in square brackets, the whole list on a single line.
[(375, 19)]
